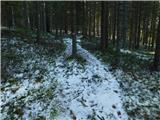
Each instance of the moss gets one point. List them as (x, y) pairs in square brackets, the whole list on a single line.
[(78, 58), (53, 114), (39, 78)]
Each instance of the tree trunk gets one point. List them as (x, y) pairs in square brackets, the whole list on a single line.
[(26, 15), (94, 16), (65, 21), (145, 30), (125, 24), (98, 20), (119, 33), (13, 18), (47, 17), (74, 42), (156, 63), (44, 17), (135, 34), (84, 31), (90, 21), (131, 27), (139, 27), (104, 26), (38, 21), (115, 23)]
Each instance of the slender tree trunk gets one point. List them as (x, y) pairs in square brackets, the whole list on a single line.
[(115, 22), (98, 20), (38, 21), (135, 34), (47, 17), (104, 26), (44, 17), (26, 15), (74, 42), (153, 26), (13, 18), (153, 39), (41, 19), (131, 28), (139, 27), (84, 31), (125, 24), (90, 21), (9, 17), (156, 64), (65, 22), (119, 33), (145, 30), (94, 16), (33, 15), (56, 25)]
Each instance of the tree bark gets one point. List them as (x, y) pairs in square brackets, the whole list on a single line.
[(156, 63), (125, 24), (115, 23), (47, 17), (139, 26), (119, 33), (94, 17), (38, 21), (74, 42), (13, 17), (104, 26)]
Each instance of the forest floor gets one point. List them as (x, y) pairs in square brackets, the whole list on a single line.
[(45, 86), (44, 82), (140, 86), (88, 89)]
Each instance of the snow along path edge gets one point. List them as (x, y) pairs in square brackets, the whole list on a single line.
[(81, 97)]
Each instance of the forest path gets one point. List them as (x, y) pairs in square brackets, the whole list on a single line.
[(87, 91)]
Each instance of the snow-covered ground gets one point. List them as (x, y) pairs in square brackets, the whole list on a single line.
[(44, 86), (136, 54), (88, 91), (141, 94), (29, 92)]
